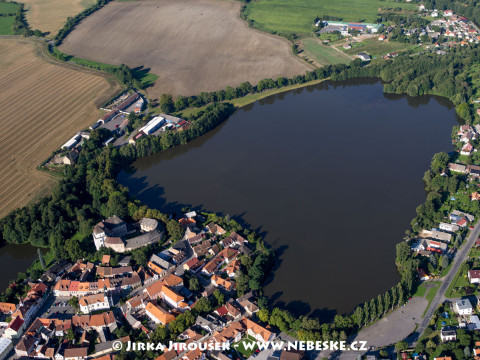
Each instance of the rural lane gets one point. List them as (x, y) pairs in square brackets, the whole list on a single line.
[(458, 260)]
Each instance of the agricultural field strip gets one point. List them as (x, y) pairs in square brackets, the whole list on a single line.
[(53, 112), (214, 54), (51, 15), (25, 166)]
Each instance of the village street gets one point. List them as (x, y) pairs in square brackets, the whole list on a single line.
[(440, 296)]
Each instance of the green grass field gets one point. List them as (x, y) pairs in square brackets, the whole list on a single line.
[(458, 282), (296, 16), (421, 291), (322, 54), (6, 23), (7, 8), (377, 48), (431, 294)]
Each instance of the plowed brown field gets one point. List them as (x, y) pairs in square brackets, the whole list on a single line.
[(43, 103), (192, 45)]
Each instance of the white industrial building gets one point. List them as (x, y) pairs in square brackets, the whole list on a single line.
[(72, 142), (152, 125)]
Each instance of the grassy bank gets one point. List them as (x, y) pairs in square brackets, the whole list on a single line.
[(251, 98)]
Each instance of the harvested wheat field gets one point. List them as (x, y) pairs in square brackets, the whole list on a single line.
[(43, 103), (50, 15), (192, 45)]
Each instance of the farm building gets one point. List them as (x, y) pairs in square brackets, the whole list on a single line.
[(134, 139), (139, 106), (152, 125), (364, 57), (72, 142), (108, 141), (127, 102), (361, 27), (342, 29), (108, 116)]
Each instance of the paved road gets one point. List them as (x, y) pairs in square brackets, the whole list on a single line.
[(460, 257)]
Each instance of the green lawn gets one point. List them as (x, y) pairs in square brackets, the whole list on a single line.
[(377, 48), (296, 16), (248, 99), (458, 281), (450, 321), (431, 294), (241, 348), (145, 77), (6, 23), (324, 54), (421, 291), (7, 8)]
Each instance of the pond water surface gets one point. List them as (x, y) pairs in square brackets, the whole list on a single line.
[(330, 174)]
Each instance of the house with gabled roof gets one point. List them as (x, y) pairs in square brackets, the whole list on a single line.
[(232, 268), (230, 334), (260, 333), (95, 302), (76, 353), (154, 291), (167, 355), (440, 235), (173, 281), (25, 346), (448, 335), (215, 229), (248, 306), (209, 323), (7, 308), (460, 168), (224, 284), (202, 248), (196, 354), (233, 240), (159, 265), (158, 314), (474, 276), (466, 149), (173, 299), (15, 329), (96, 322)]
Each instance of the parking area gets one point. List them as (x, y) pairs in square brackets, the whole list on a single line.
[(57, 308), (118, 121)]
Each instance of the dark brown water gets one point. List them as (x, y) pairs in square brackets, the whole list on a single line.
[(15, 259), (330, 175)]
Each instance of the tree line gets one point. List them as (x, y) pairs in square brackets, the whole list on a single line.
[(72, 21)]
